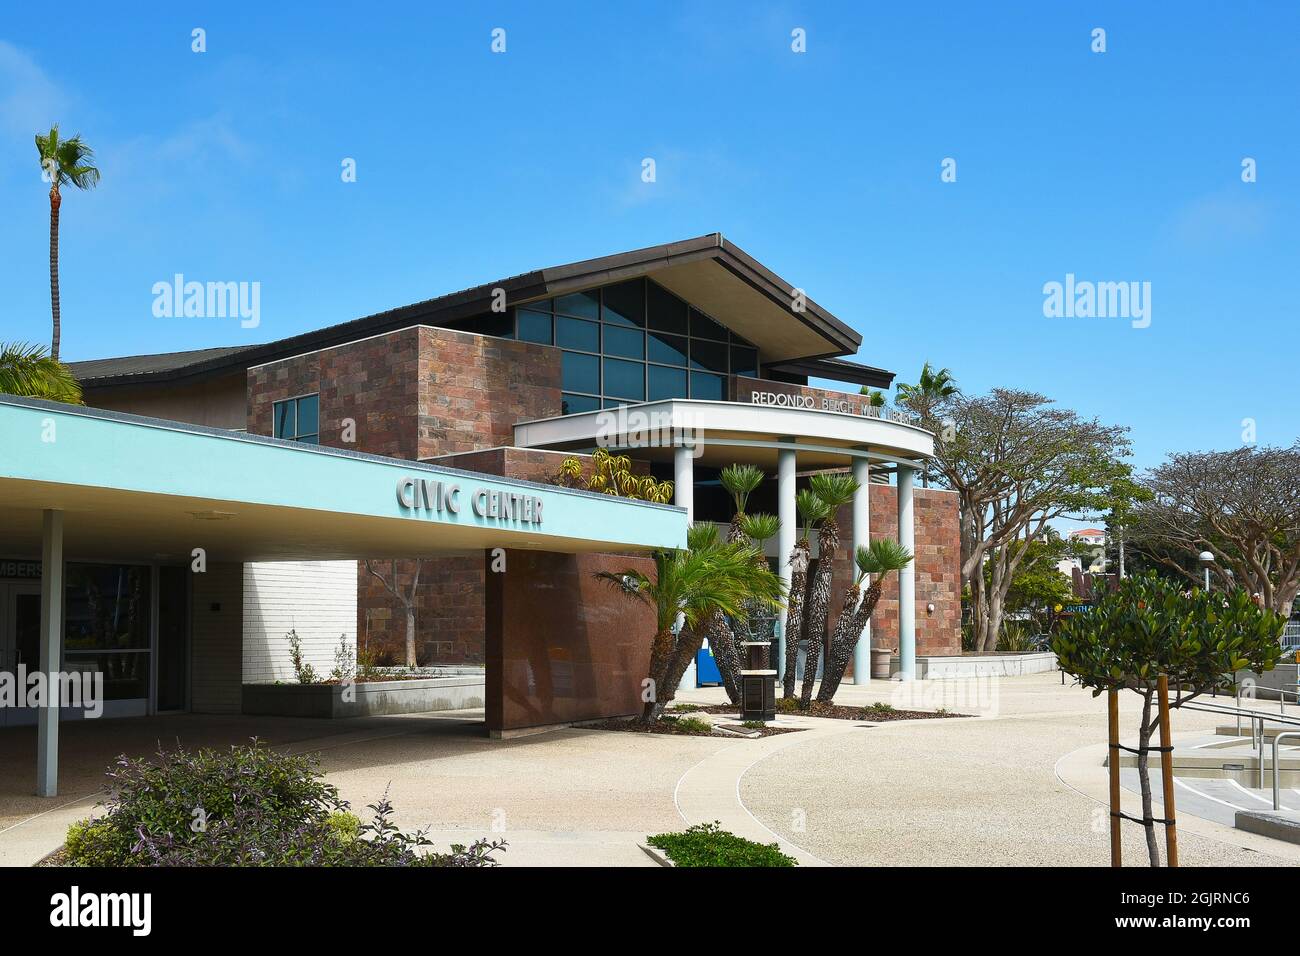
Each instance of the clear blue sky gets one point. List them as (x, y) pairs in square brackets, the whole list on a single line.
[(472, 166)]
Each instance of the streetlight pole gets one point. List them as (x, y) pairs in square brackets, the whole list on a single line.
[(1207, 559)]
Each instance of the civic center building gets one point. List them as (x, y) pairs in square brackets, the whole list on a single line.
[(431, 436)]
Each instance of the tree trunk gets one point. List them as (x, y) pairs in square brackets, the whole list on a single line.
[(1144, 778), (55, 201), (661, 652), (410, 635), (794, 613), (828, 540), (847, 637), (723, 643), (689, 642)]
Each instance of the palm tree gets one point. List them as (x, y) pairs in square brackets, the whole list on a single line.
[(65, 162), (878, 559), (835, 489), (812, 510), (932, 390), (740, 481), (692, 585), (27, 371)]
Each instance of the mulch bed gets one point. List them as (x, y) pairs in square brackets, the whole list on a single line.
[(835, 712), (665, 726)]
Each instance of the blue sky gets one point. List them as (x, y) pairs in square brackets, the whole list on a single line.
[(471, 166)]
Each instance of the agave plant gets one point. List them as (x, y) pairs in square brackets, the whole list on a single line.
[(835, 489), (689, 587), (26, 370), (613, 475), (811, 511), (880, 558)]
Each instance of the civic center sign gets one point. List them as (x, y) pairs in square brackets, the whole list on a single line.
[(437, 497)]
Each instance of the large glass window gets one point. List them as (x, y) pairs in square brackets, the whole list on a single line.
[(107, 626), (634, 341), (298, 419)]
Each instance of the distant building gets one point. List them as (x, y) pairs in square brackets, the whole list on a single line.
[(1094, 539)]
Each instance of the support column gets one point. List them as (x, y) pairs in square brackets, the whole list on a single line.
[(789, 517), (51, 656), (684, 479), (862, 539), (906, 577)]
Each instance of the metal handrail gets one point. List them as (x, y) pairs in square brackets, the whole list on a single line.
[(1256, 725), (1277, 767)]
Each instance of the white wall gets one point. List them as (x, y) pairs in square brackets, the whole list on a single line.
[(318, 599)]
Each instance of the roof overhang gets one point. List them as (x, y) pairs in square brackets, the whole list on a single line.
[(136, 488), (723, 433)]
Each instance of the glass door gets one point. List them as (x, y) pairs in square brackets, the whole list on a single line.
[(20, 642)]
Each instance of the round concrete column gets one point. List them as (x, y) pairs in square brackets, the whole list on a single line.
[(789, 517), (906, 577), (862, 539), (684, 479)]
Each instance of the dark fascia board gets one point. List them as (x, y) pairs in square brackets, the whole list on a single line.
[(837, 370), (527, 286)]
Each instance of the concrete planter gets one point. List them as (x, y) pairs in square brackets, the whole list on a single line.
[(981, 665), (1282, 677), (370, 699)]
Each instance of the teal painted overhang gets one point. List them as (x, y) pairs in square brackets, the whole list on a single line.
[(131, 485)]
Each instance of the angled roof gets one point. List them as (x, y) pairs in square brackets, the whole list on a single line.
[(708, 271)]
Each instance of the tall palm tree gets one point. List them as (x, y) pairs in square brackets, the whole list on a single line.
[(692, 585), (66, 162), (811, 510), (933, 389), (835, 489), (878, 559), (740, 481), (27, 371)]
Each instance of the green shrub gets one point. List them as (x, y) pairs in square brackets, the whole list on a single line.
[(344, 826), (881, 707), (787, 705), (92, 843), (707, 844), (305, 673), (754, 724), (692, 725)]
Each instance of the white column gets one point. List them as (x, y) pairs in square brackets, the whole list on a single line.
[(789, 516), (47, 716), (684, 479), (906, 577), (862, 539)]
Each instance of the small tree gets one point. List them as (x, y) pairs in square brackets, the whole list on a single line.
[(692, 585), (811, 511), (1148, 627), (879, 559), (405, 596)]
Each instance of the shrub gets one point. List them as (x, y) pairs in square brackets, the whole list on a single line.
[(693, 725), (707, 844), (754, 724), (345, 661), (787, 705), (305, 673), (246, 806), (881, 707)]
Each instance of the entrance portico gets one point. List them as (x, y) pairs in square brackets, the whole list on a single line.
[(781, 439), (81, 485)]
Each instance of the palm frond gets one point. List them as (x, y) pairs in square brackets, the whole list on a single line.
[(740, 481), (834, 488), (702, 537), (811, 509), (760, 526), (28, 371), (881, 557)]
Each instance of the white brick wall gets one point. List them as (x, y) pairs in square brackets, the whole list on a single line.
[(318, 599)]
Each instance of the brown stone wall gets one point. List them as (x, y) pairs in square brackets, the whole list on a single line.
[(474, 389), (560, 645), (937, 569)]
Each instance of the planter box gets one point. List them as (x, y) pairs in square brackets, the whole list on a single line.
[(981, 665), (370, 699)]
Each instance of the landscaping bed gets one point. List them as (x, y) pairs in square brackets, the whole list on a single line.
[(683, 728), (708, 845), (834, 712)]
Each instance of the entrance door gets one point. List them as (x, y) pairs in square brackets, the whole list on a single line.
[(20, 642)]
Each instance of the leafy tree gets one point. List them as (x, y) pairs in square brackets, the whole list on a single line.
[(812, 510), (26, 371), (406, 596), (1038, 585), (1242, 505), (1148, 627), (1016, 463), (878, 559), (693, 584), (835, 489), (64, 162)]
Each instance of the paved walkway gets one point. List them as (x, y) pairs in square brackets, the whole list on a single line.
[(1021, 783)]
